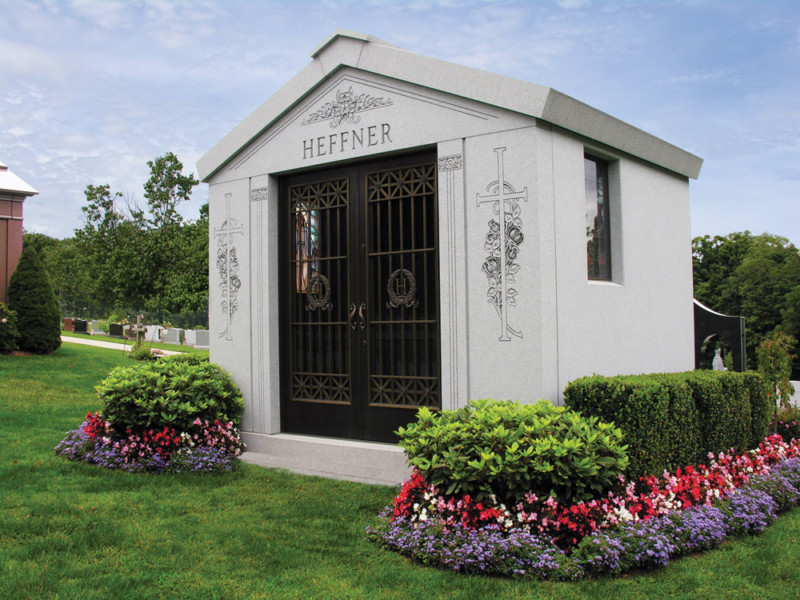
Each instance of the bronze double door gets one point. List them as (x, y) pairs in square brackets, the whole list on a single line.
[(360, 298)]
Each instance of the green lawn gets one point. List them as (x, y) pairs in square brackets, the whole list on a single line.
[(71, 530), (129, 343)]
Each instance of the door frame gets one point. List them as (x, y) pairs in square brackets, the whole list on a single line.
[(356, 428)]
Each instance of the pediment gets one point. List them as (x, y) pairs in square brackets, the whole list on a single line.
[(378, 70), (353, 114)]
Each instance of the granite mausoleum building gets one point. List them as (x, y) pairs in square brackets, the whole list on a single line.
[(390, 231), (13, 192)]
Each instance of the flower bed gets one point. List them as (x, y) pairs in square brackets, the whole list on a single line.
[(208, 447), (638, 525)]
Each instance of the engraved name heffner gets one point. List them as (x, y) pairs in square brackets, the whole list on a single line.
[(374, 135)]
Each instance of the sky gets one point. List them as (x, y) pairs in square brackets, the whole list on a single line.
[(90, 90)]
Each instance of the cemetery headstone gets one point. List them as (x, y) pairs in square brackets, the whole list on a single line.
[(795, 399), (116, 330), (172, 336), (69, 324), (81, 326), (201, 339), (189, 337), (96, 330), (153, 333)]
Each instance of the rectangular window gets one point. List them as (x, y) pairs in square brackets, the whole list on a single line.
[(598, 219)]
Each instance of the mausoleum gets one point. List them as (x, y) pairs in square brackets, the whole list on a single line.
[(390, 231), (13, 192)]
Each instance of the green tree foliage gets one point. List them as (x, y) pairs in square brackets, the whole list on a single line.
[(166, 188), (69, 270), (775, 365), (137, 260), (99, 242), (757, 276), (31, 296)]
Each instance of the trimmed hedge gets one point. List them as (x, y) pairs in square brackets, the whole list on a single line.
[(673, 420)]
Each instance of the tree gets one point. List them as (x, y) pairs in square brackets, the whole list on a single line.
[(97, 240), (129, 259), (714, 261), (40, 242), (172, 244), (753, 276), (31, 296), (775, 365), (166, 188)]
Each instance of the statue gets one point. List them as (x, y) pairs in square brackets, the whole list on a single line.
[(717, 364)]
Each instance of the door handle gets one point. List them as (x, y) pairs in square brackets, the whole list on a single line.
[(352, 314), (361, 321)]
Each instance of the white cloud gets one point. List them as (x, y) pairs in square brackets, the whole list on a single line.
[(19, 131), (700, 77)]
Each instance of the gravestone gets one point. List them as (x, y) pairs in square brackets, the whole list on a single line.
[(81, 326), (116, 330), (201, 339), (96, 328), (795, 399), (153, 333), (189, 337), (69, 324), (172, 336)]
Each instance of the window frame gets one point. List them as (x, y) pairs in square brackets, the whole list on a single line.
[(602, 190)]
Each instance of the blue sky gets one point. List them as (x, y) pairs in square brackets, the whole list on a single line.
[(90, 90)]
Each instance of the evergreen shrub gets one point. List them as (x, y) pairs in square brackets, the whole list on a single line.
[(507, 449), (141, 352), (31, 296), (8, 329), (170, 392), (673, 420)]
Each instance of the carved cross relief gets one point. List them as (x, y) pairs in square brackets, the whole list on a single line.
[(228, 266), (502, 244)]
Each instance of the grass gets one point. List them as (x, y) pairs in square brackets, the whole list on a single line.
[(129, 343), (70, 530)]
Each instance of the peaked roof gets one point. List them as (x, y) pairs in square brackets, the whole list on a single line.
[(12, 184), (367, 53)]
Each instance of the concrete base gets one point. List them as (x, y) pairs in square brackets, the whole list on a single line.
[(351, 460)]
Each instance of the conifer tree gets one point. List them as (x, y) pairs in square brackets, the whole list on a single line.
[(31, 296)]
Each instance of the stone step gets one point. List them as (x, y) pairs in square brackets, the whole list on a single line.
[(351, 460)]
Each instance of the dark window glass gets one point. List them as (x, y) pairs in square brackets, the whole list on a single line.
[(598, 235)]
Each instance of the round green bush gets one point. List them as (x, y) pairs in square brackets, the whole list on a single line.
[(506, 449), (31, 296), (141, 352), (170, 392)]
